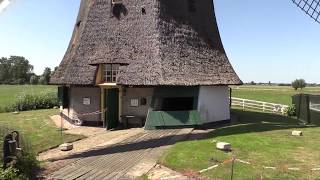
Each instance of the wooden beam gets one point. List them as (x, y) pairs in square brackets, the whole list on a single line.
[(102, 105)]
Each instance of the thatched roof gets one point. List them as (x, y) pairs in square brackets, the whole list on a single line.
[(164, 42)]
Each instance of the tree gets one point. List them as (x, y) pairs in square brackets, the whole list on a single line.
[(42, 80), (46, 76), (34, 79), (5, 72), (15, 70), (54, 70), (299, 83), (252, 83)]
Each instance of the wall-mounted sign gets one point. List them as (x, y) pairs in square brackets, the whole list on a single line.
[(86, 101), (134, 102)]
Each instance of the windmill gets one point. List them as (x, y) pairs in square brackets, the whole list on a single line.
[(4, 4), (310, 7)]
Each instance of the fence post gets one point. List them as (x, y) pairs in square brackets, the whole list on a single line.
[(232, 167), (243, 104)]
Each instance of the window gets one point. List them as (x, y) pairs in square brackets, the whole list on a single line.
[(110, 73), (134, 102), (86, 101), (76, 34), (174, 104)]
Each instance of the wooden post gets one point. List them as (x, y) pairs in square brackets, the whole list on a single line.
[(299, 107), (243, 104), (232, 167), (308, 109), (120, 102), (230, 97), (102, 105)]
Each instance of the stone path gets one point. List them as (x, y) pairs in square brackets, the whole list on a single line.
[(132, 157), (97, 139)]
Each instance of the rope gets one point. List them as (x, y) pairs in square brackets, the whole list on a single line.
[(227, 161), (91, 113)]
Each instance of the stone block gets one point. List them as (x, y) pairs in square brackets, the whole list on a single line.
[(66, 147), (296, 133), (224, 146)]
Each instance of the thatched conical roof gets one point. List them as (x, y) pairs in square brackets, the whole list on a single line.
[(163, 42)]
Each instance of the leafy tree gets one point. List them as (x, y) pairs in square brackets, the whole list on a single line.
[(299, 83), (5, 71), (46, 76), (34, 79), (42, 80), (54, 70), (15, 70)]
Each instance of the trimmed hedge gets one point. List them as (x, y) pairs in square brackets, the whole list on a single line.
[(32, 102)]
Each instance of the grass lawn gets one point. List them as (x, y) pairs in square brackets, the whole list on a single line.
[(273, 94), (36, 127), (8, 93), (260, 138)]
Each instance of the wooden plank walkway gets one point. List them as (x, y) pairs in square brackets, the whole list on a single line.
[(113, 162)]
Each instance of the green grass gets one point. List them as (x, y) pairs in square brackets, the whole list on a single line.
[(260, 138), (9, 93), (273, 94), (37, 128)]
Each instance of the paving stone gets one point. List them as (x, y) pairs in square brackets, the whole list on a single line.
[(115, 161)]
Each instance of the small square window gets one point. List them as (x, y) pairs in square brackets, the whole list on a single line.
[(134, 102), (86, 101)]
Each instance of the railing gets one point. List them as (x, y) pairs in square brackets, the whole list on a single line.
[(314, 107), (258, 105)]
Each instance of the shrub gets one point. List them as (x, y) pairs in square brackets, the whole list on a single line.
[(299, 83), (10, 174), (26, 164), (32, 102), (290, 111), (34, 79)]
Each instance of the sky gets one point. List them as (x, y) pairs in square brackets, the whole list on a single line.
[(265, 40)]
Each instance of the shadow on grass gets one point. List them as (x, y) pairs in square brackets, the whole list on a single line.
[(246, 122), (252, 121)]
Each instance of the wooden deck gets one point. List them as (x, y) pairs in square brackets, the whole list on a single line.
[(113, 162)]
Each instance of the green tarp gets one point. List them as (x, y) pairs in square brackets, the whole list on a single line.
[(158, 119)]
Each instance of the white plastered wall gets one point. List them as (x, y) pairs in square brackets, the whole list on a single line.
[(213, 103)]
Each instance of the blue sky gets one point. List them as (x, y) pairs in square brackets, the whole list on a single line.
[(269, 40)]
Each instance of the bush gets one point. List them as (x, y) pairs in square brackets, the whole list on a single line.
[(290, 111), (10, 174), (26, 164), (299, 83), (32, 102), (34, 79)]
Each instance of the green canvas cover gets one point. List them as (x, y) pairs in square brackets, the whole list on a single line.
[(158, 119)]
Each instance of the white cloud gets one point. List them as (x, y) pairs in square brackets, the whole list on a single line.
[(4, 4)]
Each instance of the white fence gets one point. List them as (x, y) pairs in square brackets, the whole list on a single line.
[(314, 107), (259, 105)]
